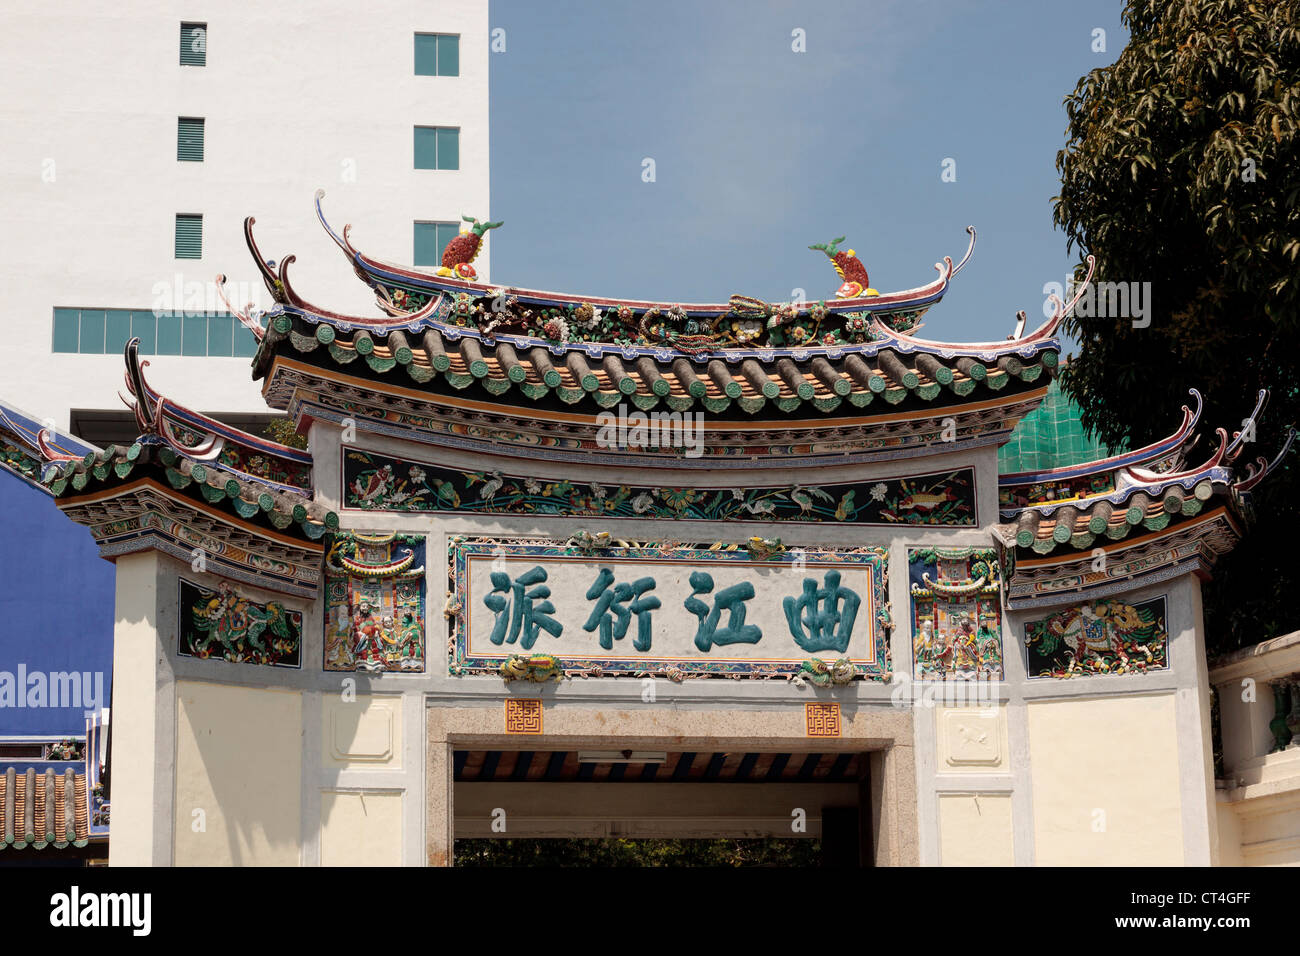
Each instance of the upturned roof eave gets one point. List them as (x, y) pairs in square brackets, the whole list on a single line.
[(1180, 437)]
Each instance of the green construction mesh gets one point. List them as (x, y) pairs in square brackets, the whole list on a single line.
[(1051, 436)]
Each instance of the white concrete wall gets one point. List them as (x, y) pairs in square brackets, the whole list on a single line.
[(1259, 799), (141, 741), (295, 97), (238, 772), (1100, 770)]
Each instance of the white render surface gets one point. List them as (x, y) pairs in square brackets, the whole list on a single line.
[(312, 95)]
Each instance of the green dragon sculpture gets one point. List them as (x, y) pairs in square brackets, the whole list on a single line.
[(536, 668), (819, 673)]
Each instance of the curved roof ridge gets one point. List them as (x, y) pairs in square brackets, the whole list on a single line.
[(928, 292), (1156, 449), (159, 417)]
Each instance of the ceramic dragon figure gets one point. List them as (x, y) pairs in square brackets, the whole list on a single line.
[(231, 620), (764, 548), (587, 542), (464, 249), (819, 673), (538, 668)]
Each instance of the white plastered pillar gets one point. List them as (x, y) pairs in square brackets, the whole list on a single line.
[(140, 760)]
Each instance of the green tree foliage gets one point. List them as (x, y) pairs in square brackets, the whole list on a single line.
[(282, 430), (1180, 169), (615, 852)]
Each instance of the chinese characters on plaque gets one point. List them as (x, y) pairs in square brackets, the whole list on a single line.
[(631, 609)]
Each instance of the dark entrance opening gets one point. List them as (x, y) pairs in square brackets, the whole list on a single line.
[(667, 808)]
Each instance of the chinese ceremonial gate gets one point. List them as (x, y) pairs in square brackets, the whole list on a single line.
[(604, 567)]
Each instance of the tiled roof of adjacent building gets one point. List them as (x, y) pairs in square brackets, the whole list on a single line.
[(43, 809)]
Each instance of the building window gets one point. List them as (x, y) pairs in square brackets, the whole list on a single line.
[(221, 330), (189, 139), (169, 333), (437, 54), (67, 323), (189, 236), (117, 330), (100, 331), (430, 239), (92, 332), (437, 147), (194, 44), (194, 334), (144, 326)]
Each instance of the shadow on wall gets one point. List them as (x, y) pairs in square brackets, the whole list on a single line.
[(238, 776)]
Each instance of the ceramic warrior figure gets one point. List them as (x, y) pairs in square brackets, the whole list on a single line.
[(368, 638), (410, 645)]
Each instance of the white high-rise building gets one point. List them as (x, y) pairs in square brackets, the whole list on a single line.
[(136, 138)]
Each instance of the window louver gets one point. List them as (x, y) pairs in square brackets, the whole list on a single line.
[(189, 236), (194, 44), (189, 140)]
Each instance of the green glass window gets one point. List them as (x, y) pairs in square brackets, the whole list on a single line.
[(449, 147), (194, 334), (117, 330), (189, 139), (92, 332), (430, 239), (169, 333), (97, 331), (66, 329), (220, 332), (245, 345), (437, 147), (194, 44), (144, 326), (437, 54), (189, 236)]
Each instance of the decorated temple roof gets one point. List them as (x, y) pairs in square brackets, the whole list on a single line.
[(26, 444), (687, 327), (1156, 456), (806, 355), (1104, 475), (187, 485), (256, 479), (1147, 500), (893, 370), (449, 349)]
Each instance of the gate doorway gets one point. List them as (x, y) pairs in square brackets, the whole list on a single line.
[(819, 799)]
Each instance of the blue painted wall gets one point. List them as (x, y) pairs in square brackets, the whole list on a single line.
[(56, 605)]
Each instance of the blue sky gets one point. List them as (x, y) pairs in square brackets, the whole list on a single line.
[(760, 151)]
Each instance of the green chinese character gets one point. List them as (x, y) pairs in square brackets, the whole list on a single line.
[(731, 599), (821, 619), (612, 617), (523, 614)]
